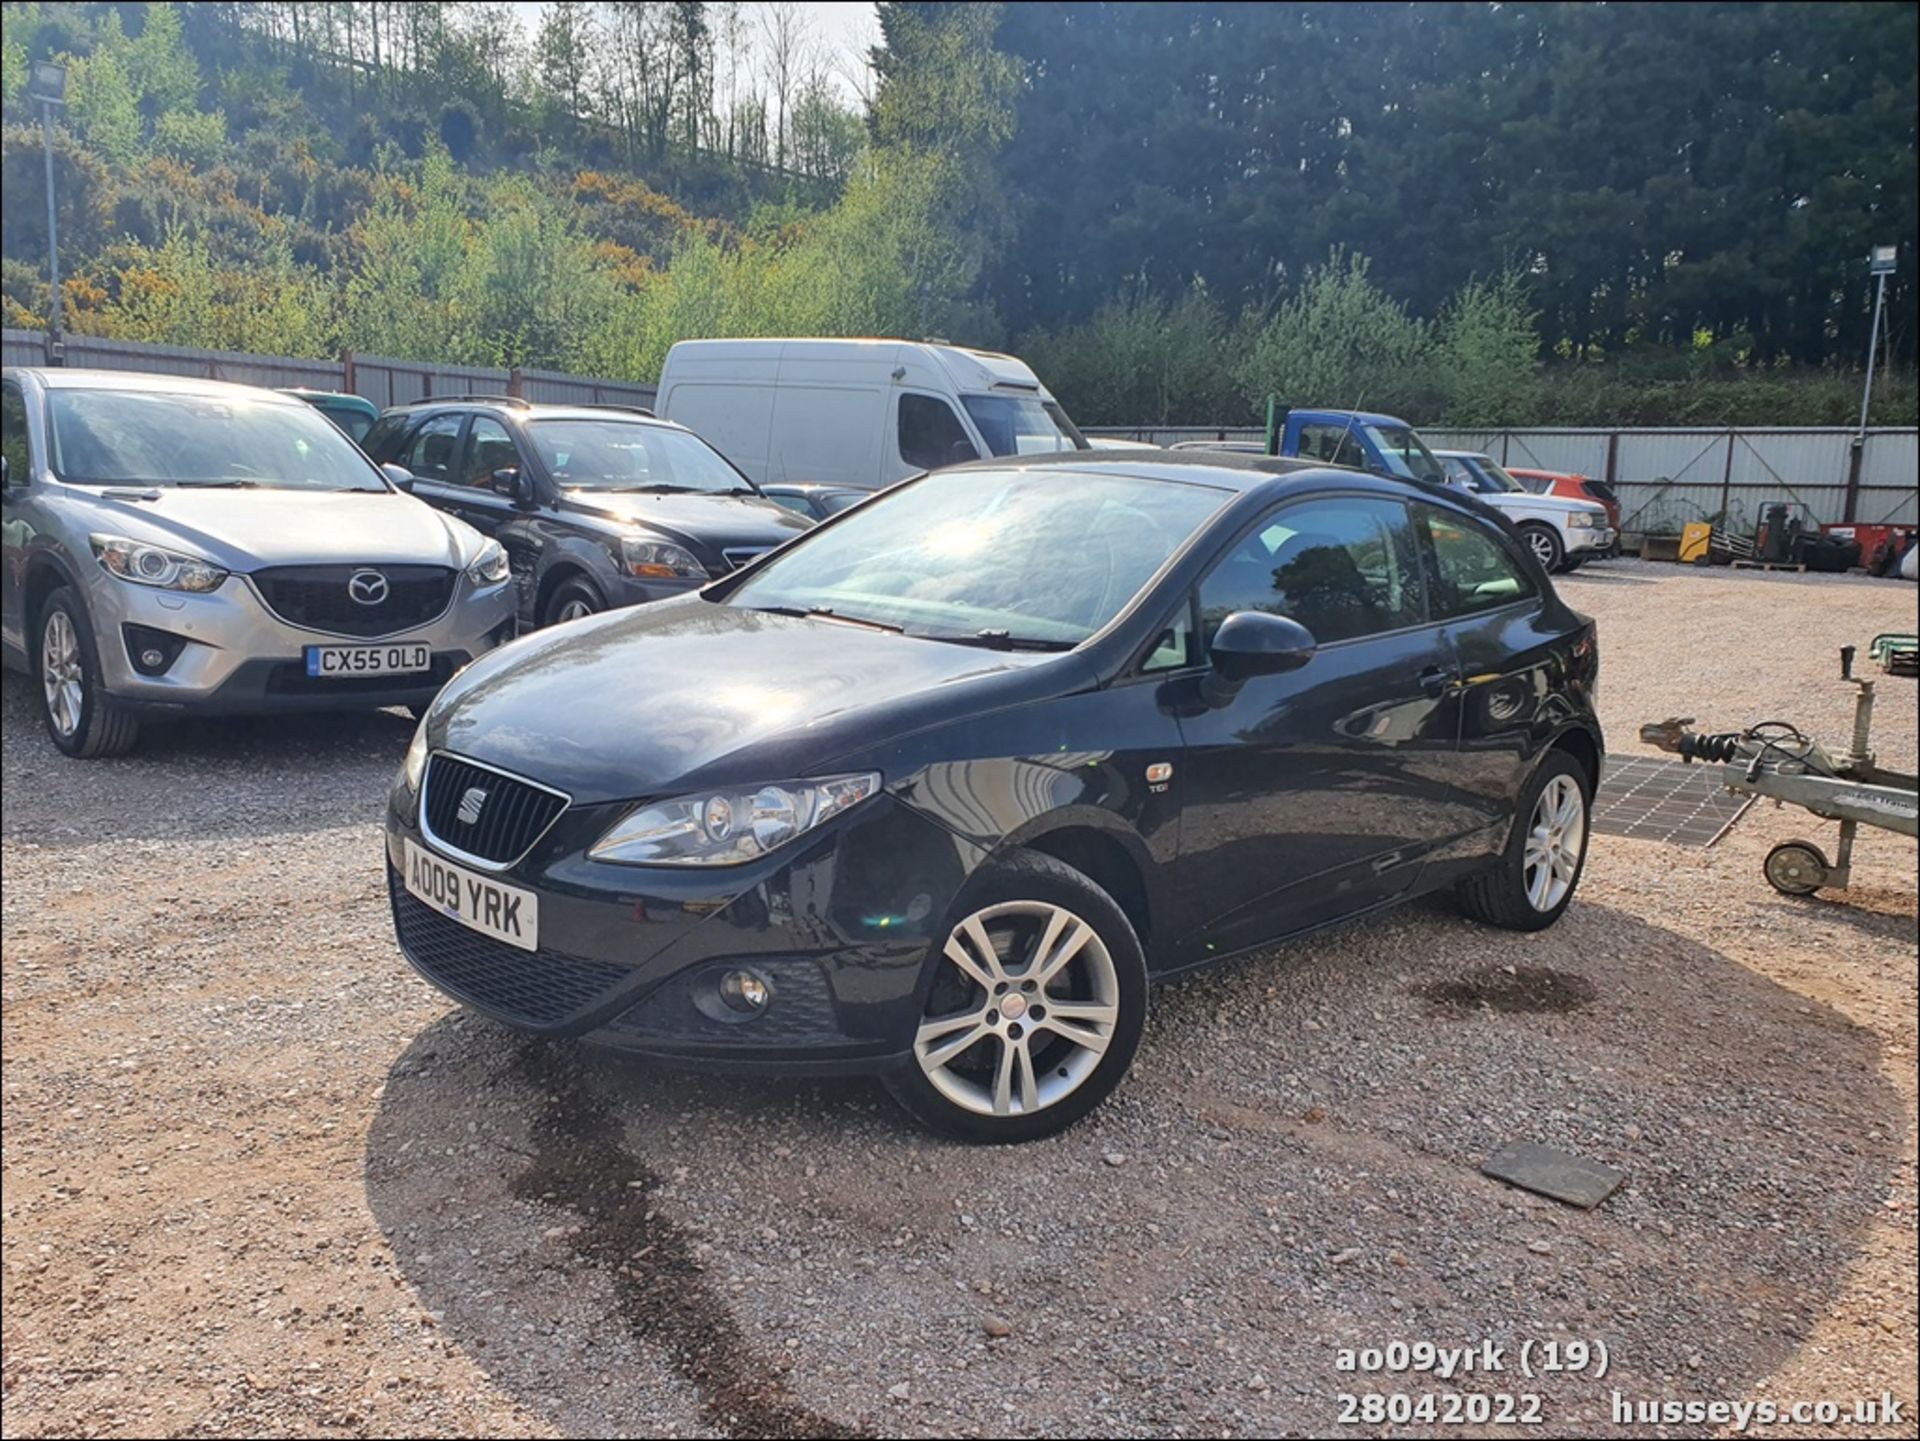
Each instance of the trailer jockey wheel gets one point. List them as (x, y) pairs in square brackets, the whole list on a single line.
[(1796, 868)]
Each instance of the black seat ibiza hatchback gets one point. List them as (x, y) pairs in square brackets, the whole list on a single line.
[(938, 790)]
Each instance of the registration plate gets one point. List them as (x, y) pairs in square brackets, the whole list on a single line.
[(478, 902), (331, 661)]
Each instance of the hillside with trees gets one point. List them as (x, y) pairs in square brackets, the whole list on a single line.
[(1466, 213)]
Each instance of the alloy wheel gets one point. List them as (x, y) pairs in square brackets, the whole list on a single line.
[(1555, 838), (61, 672), (1543, 548), (1022, 1012), (574, 609)]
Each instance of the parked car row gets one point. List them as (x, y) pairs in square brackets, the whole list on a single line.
[(178, 546)]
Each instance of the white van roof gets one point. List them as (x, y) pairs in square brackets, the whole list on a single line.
[(964, 368)]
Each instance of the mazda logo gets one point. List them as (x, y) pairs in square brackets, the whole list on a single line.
[(368, 587)]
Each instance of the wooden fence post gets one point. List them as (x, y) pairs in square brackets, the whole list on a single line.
[(514, 383), (348, 379)]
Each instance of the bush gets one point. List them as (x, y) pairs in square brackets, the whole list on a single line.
[(197, 137)]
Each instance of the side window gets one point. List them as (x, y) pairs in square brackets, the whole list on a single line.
[(1473, 571), (429, 454), (795, 503), (1174, 649), (1343, 567), (1335, 444), (931, 434), (13, 435), (381, 439), (489, 448)]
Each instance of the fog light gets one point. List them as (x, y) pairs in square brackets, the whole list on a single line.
[(153, 658), (152, 651), (745, 992)]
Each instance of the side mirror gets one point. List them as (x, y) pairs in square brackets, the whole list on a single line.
[(508, 481), (400, 476), (1253, 643)]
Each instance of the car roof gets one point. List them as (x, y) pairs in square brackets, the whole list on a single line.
[(533, 409), (309, 394), (1220, 469), (1358, 417), (1463, 455), (62, 378)]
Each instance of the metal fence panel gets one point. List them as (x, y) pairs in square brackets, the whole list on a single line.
[(23, 347), (557, 388), (1890, 477)]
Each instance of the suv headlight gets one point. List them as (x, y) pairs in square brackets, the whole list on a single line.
[(724, 828), (145, 564), (1580, 520), (659, 560), (490, 566)]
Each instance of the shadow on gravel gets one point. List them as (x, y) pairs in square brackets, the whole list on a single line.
[(623, 1249), (239, 776), (1587, 573)]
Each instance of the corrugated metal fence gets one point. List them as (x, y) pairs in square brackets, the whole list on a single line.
[(1667, 477), (381, 379)]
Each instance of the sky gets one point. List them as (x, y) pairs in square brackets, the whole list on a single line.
[(843, 29)]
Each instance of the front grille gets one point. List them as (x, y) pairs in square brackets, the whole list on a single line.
[(291, 678), (741, 554), (484, 813), (315, 597), (529, 988)]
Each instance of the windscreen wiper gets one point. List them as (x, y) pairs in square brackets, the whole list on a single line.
[(822, 612), (216, 484), (1005, 640), (656, 487)]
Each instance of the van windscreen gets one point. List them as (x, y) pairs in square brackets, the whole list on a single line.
[(1022, 424)]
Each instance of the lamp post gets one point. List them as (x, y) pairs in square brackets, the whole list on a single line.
[(48, 86), (1880, 263)]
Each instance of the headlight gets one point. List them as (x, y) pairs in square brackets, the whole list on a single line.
[(416, 761), (659, 560), (723, 828), (1580, 520), (490, 567), (145, 564)]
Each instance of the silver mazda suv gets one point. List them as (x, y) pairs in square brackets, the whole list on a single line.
[(178, 546)]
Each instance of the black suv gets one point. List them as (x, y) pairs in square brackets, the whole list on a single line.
[(597, 506)]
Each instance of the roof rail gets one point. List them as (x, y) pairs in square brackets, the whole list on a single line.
[(616, 405), (517, 400)]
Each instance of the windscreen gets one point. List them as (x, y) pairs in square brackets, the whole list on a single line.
[(610, 455), (173, 438), (1406, 454), (1022, 424), (1043, 558)]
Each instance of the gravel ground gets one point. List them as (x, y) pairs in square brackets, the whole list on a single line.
[(259, 1180)]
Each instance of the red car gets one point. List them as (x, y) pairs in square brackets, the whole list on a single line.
[(1574, 487)]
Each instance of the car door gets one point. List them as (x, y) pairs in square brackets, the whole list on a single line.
[(1317, 793), (1491, 613), (928, 434), (432, 452), (18, 450), (522, 530)]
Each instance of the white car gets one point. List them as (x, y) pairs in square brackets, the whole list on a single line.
[(1562, 533)]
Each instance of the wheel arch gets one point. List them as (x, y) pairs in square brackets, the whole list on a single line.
[(1109, 862), (46, 573), (1584, 746)]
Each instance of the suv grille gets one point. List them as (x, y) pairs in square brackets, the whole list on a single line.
[(538, 988), (316, 597), (484, 813), (741, 554)]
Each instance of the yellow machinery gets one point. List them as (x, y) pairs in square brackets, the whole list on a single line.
[(1696, 540)]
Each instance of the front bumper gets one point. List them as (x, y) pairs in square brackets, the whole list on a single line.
[(241, 658), (1593, 543), (839, 925)]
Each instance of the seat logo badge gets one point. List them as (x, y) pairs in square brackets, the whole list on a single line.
[(367, 587), (1158, 774), (470, 804)]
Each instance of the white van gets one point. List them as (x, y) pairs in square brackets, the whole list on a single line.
[(859, 413)]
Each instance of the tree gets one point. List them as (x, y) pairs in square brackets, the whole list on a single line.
[(563, 55)]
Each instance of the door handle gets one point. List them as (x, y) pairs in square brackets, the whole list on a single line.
[(1438, 680)]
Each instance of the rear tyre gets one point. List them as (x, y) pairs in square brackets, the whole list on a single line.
[(571, 600), (1797, 868), (1540, 868), (1037, 1001), (1544, 542), (82, 719)]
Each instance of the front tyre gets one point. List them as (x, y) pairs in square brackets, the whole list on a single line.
[(572, 600), (1038, 998), (1537, 873), (1544, 542), (82, 719)]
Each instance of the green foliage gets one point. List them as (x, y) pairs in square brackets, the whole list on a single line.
[(178, 294), (1338, 340), (162, 70), (1487, 352), (1141, 360), (198, 137), (103, 107)]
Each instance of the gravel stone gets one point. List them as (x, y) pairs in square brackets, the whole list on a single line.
[(259, 1179)]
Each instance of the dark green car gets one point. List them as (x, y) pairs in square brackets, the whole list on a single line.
[(354, 414)]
